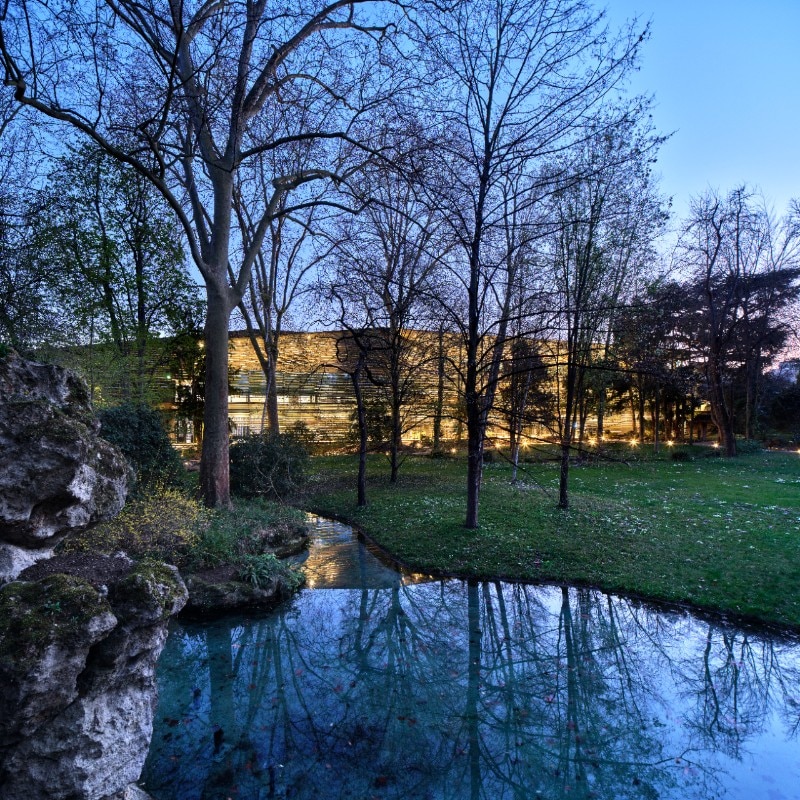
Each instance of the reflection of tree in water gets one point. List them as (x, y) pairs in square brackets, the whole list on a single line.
[(733, 682), (447, 690)]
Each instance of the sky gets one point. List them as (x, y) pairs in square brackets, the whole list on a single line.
[(726, 79)]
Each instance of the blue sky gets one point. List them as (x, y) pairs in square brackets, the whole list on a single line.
[(726, 80)]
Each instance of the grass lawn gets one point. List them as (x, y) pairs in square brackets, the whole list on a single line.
[(713, 532)]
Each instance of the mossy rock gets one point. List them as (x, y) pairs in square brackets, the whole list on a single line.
[(151, 592), (34, 616), (219, 592)]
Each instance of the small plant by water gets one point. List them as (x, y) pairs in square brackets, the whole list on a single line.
[(261, 570)]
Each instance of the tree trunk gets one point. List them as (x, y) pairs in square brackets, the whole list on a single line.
[(514, 460), (752, 374), (439, 407), (601, 414), (566, 436), (641, 410), (271, 398), (474, 462), (396, 436), (656, 420), (361, 416), (214, 462), (719, 409)]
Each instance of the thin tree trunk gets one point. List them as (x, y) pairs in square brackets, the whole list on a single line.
[(396, 437), (656, 420), (601, 413), (474, 463), (271, 399), (439, 407), (361, 416), (641, 409), (566, 436)]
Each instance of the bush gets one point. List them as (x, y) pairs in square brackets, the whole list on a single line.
[(268, 465), (138, 432), (164, 524), (232, 534), (745, 446), (681, 455)]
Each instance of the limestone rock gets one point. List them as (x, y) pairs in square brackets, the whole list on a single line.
[(77, 681), (210, 597), (56, 474)]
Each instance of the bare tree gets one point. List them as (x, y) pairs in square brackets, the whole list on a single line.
[(189, 93), (605, 215), (281, 276), (523, 77), (386, 263)]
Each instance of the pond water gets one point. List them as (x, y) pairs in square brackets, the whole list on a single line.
[(398, 686)]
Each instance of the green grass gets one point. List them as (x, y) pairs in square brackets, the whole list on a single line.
[(715, 533)]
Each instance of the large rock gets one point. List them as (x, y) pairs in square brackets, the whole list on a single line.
[(56, 474), (77, 679)]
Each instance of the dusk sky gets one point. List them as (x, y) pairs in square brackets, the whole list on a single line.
[(726, 80)]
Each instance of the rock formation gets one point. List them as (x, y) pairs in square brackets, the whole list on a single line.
[(56, 474), (77, 677)]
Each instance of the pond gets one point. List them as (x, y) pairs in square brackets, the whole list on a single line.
[(397, 686)]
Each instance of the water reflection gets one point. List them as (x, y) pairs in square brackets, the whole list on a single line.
[(337, 559), (454, 690)]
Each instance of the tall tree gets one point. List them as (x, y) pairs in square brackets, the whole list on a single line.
[(282, 274), (27, 314), (523, 78), (119, 259), (743, 272), (189, 93), (605, 214), (386, 266)]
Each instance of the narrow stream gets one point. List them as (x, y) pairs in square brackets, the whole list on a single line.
[(374, 684)]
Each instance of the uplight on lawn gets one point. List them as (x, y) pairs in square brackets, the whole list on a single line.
[(715, 445), (670, 443), (634, 442)]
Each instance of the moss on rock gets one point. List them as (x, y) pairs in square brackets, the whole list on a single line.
[(34, 616), (153, 590)]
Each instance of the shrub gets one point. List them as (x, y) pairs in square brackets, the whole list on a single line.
[(303, 434), (681, 455), (138, 432), (745, 446), (163, 524), (268, 465), (232, 534)]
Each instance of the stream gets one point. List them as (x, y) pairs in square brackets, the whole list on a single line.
[(374, 683)]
